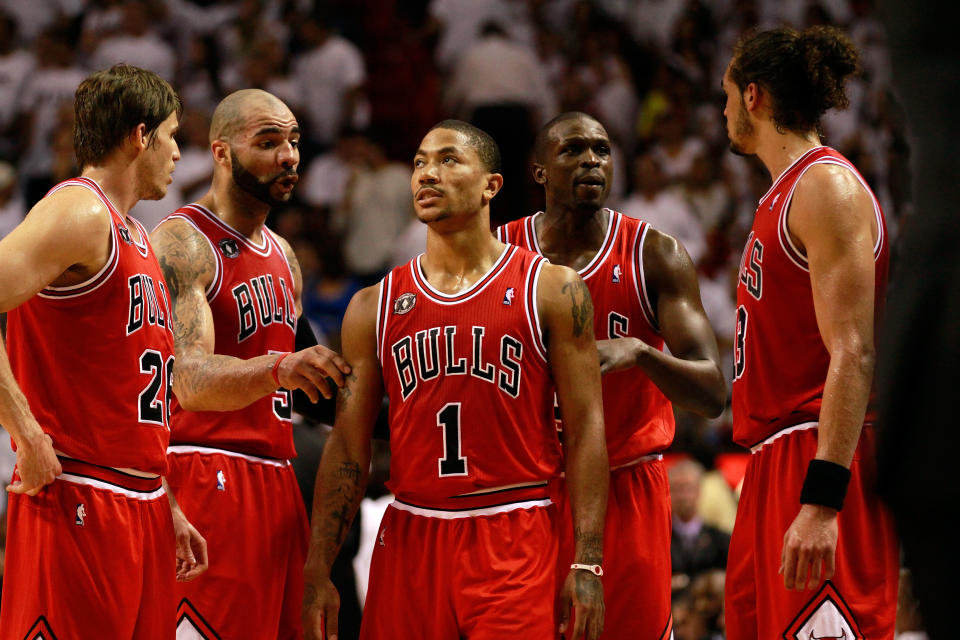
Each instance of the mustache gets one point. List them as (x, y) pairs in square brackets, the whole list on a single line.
[(289, 173)]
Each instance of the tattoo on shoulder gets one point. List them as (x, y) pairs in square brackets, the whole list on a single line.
[(581, 306)]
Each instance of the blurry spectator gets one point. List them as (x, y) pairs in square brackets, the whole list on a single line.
[(35, 16), (330, 76), (12, 205), (16, 65), (909, 621), (458, 22), (696, 547), (327, 288), (708, 196), (325, 177), (264, 67), (609, 91), (101, 19), (663, 208), (376, 205), (137, 42), (411, 242), (675, 149), (199, 75)]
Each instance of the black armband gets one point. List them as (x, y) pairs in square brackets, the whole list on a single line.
[(826, 484)]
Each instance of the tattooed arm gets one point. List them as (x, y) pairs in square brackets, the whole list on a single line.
[(566, 313), (342, 476), (207, 381)]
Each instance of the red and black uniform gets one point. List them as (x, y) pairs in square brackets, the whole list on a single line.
[(780, 367), (230, 469), (639, 425), (472, 449), (94, 361)]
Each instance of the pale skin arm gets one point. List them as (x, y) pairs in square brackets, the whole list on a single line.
[(832, 217), (191, 546), (342, 475), (690, 374), (33, 256), (207, 381), (566, 313)]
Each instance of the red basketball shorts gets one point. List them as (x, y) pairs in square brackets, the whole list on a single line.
[(91, 557), (483, 575), (860, 602), (251, 513), (636, 551)]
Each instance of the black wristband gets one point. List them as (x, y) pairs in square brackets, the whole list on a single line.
[(825, 484)]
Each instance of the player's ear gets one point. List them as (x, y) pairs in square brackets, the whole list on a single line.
[(494, 184), (221, 152), (539, 173), (139, 137), (751, 96)]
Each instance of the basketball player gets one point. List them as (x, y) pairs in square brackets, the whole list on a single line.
[(645, 293), (235, 288), (90, 537), (804, 561), (465, 339)]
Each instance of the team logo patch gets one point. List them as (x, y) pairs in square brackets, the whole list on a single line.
[(40, 631), (221, 481), (124, 233), (81, 514), (617, 273), (229, 247), (404, 304), (826, 617), (508, 296)]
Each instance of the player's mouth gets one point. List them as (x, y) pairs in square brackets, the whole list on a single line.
[(428, 195), (590, 180), (287, 182)]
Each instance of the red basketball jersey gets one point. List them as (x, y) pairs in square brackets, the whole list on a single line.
[(254, 313), (780, 361), (471, 396), (638, 417), (94, 359)]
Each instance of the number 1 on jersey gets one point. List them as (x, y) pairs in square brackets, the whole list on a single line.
[(452, 463)]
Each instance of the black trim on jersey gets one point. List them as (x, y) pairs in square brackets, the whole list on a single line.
[(38, 631), (858, 628), (125, 488), (181, 614), (496, 491), (486, 506), (104, 467), (667, 630), (224, 450)]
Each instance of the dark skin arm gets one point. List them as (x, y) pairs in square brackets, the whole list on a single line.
[(690, 374), (342, 475), (566, 313)]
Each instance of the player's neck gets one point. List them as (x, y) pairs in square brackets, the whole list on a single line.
[(566, 235), (247, 220), (455, 261), (119, 185), (778, 151)]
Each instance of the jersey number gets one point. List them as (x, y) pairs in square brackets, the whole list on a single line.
[(452, 463), (154, 401), (739, 355)]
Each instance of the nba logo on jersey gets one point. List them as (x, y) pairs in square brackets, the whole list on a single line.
[(383, 532), (825, 617), (508, 296), (124, 233), (221, 481), (229, 248), (773, 204), (617, 273), (81, 514), (404, 303)]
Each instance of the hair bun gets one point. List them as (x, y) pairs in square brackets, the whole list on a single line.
[(830, 58)]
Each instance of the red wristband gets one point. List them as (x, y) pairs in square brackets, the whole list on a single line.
[(276, 365)]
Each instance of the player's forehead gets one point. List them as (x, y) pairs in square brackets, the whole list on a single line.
[(269, 117), (438, 141), (577, 128)]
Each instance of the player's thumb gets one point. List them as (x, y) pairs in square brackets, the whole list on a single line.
[(16, 487), (565, 604), (331, 622)]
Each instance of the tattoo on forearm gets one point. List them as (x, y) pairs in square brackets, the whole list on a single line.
[(310, 594), (591, 545), (581, 306), (346, 497), (345, 392)]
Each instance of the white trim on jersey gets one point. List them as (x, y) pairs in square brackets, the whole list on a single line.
[(469, 513), (100, 484), (776, 182), (531, 284), (416, 272), (262, 250), (179, 449), (143, 248), (214, 287), (383, 306), (613, 227), (640, 284), (803, 426)]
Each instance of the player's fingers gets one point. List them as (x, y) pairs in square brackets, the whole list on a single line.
[(316, 378), (335, 358), (815, 572), (595, 625), (788, 566), (830, 562), (331, 621), (564, 606), (579, 623), (804, 558), (306, 385)]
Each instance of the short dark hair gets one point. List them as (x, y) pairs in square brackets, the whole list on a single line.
[(804, 72), (110, 103), (543, 136), (481, 141)]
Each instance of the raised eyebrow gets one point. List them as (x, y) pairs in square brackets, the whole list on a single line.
[(440, 151), (265, 131)]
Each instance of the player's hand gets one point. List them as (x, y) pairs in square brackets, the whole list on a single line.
[(584, 592), (312, 370), (321, 608), (618, 354), (191, 548), (810, 541), (37, 465)]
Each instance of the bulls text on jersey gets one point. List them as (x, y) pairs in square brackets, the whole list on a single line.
[(418, 359), (144, 305), (257, 305)]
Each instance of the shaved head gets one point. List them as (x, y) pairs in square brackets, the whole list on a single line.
[(230, 115), (544, 135)]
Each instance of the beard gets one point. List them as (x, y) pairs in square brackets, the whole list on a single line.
[(742, 129), (256, 187)]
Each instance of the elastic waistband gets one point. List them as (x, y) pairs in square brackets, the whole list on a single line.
[(454, 514), (803, 426), (641, 460), (100, 477), (189, 448)]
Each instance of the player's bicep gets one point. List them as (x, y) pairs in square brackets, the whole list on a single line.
[(189, 266)]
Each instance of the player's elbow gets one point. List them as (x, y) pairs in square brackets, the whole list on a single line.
[(715, 398)]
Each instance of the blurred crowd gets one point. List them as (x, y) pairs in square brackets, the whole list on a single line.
[(367, 79)]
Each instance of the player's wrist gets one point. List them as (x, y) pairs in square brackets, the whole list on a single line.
[(825, 484), (275, 370), (595, 569)]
